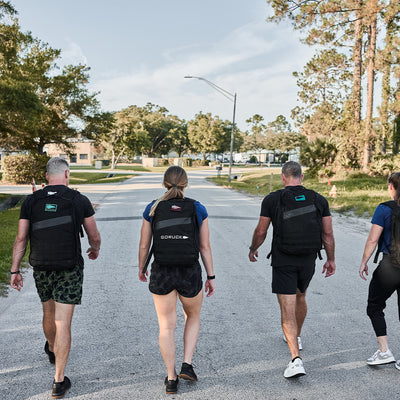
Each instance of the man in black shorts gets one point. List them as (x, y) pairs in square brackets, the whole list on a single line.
[(292, 271), (51, 220)]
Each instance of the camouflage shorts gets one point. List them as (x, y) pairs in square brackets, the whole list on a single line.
[(61, 286)]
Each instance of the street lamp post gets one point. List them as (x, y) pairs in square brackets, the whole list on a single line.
[(231, 97)]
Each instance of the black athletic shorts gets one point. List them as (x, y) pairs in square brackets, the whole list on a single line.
[(287, 279), (186, 280)]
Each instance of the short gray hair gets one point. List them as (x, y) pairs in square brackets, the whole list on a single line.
[(292, 169), (57, 166)]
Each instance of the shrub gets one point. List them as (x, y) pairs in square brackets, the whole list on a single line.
[(200, 163), (23, 168), (187, 162)]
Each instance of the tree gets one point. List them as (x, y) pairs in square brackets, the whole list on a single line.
[(255, 139), (208, 134), (143, 130), (333, 23), (318, 154), (322, 84), (280, 136), (38, 105)]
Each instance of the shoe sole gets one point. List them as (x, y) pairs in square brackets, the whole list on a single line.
[(295, 376), (187, 377), (171, 392), (383, 362), (60, 396)]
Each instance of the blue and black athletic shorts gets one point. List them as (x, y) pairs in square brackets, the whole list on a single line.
[(187, 281)]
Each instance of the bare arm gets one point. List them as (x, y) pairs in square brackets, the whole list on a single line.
[(329, 245), (206, 256), (93, 236), (19, 249), (144, 247), (259, 236), (372, 241)]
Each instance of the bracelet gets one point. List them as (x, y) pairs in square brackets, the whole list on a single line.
[(14, 272), (252, 249), (210, 277)]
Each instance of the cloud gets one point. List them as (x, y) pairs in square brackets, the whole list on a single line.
[(73, 54), (256, 61)]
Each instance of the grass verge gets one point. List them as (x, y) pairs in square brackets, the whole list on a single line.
[(83, 178), (9, 226), (358, 194)]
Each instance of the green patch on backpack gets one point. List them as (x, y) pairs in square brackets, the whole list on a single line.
[(50, 207)]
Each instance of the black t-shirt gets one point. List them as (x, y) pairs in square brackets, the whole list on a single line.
[(82, 205), (268, 209)]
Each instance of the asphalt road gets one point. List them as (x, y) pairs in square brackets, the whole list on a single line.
[(240, 352)]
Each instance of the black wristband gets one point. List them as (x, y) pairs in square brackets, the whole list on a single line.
[(210, 277), (252, 249), (14, 272)]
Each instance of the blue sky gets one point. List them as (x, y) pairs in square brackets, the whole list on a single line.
[(140, 51)]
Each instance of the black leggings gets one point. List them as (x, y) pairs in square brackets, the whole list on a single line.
[(385, 280)]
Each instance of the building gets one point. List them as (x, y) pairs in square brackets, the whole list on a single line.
[(83, 152)]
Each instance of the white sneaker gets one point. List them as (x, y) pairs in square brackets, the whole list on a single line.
[(298, 341), (397, 365), (294, 369), (379, 358)]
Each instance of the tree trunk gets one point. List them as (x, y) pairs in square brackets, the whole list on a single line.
[(370, 90), (357, 60), (383, 111)]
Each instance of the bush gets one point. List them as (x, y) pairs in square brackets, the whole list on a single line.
[(253, 160), (187, 162), (23, 168), (381, 166), (200, 163)]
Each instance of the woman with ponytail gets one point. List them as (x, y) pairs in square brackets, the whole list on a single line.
[(386, 277), (167, 283)]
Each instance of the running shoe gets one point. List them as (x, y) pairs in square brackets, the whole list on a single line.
[(294, 369), (187, 372), (52, 357), (171, 386), (397, 365), (60, 388), (298, 341), (379, 358)]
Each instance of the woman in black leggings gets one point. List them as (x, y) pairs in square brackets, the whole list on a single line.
[(386, 277)]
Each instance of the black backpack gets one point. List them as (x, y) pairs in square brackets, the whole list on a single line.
[(394, 235), (54, 232), (297, 227), (175, 230)]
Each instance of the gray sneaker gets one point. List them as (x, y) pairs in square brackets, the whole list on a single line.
[(397, 365), (379, 358), (294, 369)]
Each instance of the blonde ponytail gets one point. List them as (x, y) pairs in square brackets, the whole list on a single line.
[(175, 181)]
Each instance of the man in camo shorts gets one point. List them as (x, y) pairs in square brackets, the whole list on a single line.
[(58, 283)]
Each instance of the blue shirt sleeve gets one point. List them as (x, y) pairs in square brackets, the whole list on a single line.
[(381, 217), (146, 212), (201, 211)]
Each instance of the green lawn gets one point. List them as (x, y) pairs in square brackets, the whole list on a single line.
[(9, 226), (358, 194), (79, 178), (120, 167)]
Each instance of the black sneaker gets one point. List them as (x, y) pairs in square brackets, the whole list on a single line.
[(60, 388), (171, 386), (187, 372), (52, 357)]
